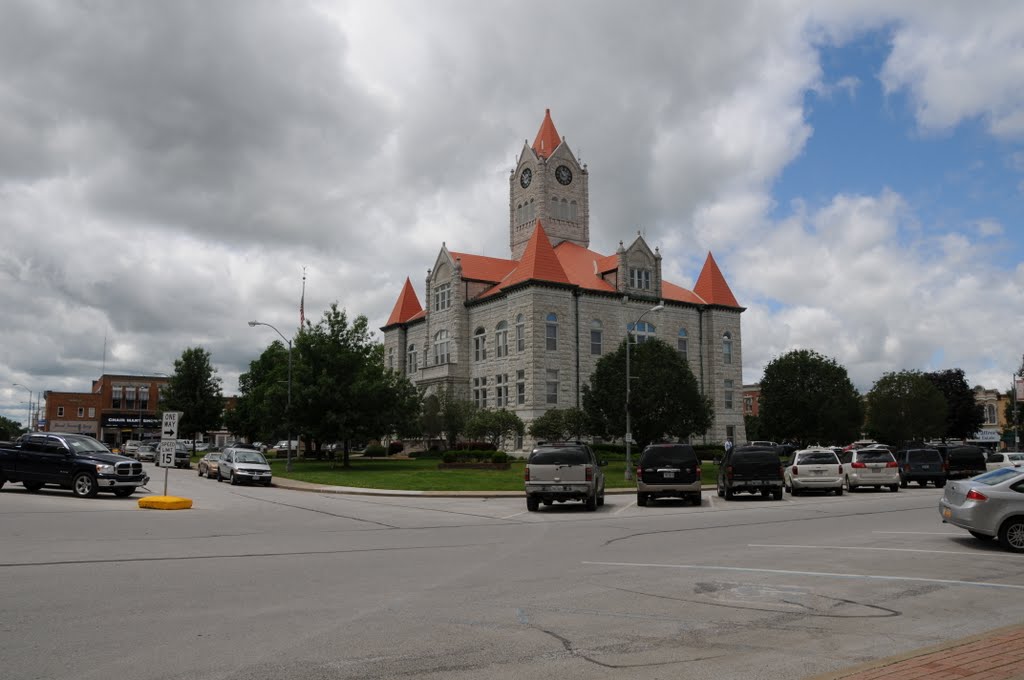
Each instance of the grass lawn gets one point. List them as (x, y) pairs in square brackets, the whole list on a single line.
[(423, 475)]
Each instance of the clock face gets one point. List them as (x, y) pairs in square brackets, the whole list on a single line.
[(563, 174), (525, 177)]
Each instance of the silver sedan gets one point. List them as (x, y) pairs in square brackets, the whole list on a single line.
[(989, 506)]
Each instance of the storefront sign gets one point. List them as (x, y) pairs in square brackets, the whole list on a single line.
[(120, 420)]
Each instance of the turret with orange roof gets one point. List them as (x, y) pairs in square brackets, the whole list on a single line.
[(407, 306), (547, 137), (711, 285)]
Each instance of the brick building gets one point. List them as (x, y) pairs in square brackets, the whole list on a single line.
[(119, 408), (525, 333)]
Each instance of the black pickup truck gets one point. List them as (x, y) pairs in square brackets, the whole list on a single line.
[(70, 461), (754, 469)]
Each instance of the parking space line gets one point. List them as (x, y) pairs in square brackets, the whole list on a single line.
[(824, 574), (921, 533), (625, 507), (857, 547), (514, 515)]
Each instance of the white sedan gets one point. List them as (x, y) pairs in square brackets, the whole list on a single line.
[(1000, 459), (817, 469)]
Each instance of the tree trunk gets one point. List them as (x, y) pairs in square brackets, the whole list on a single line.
[(344, 456)]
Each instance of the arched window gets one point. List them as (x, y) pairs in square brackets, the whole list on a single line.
[(442, 353), (551, 332), (531, 212), (554, 208), (519, 214), (391, 358), (681, 343), (479, 344), (563, 209), (572, 210), (641, 331), (520, 334), (990, 414), (596, 336), (727, 348), (501, 339)]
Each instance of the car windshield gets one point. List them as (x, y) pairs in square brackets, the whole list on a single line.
[(996, 476), (212, 456), (875, 457), (817, 458), (250, 457), (83, 444), (668, 455), (559, 457)]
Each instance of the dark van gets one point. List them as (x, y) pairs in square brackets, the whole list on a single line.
[(965, 461), (921, 465), (668, 470)]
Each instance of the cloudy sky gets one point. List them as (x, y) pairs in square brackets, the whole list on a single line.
[(167, 169)]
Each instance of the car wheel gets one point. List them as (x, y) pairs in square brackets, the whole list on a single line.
[(219, 478), (200, 472), (1011, 534), (124, 491), (787, 488), (234, 479), (532, 504), (894, 488), (84, 485), (777, 494), (592, 503), (641, 500), (839, 490), (721, 491), (980, 536), (728, 494), (33, 486), (695, 499), (903, 483)]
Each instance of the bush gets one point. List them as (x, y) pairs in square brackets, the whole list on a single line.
[(375, 451), (432, 453), (395, 447), (475, 446)]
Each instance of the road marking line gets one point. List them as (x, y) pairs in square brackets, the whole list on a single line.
[(854, 547), (920, 533), (625, 507), (514, 515), (787, 572)]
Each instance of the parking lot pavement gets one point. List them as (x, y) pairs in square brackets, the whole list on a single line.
[(995, 655)]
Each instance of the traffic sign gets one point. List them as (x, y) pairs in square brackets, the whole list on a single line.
[(166, 451), (170, 428)]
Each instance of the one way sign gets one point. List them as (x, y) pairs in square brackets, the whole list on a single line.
[(170, 428)]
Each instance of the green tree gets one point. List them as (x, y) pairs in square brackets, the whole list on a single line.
[(904, 407), (259, 413), (455, 413), (964, 417), (752, 425), (561, 424), (341, 389), (494, 426), (194, 389), (9, 429), (664, 401), (808, 398), (431, 424)]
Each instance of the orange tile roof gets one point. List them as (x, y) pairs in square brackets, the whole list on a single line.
[(538, 263), (547, 137), (483, 268), (407, 306), (711, 285), (578, 263), (670, 291)]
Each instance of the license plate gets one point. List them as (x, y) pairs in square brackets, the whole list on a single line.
[(924, 467), (669, 475), (818, 472), (947, 513), (755, 482)]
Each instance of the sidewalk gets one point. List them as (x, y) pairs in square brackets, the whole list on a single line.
[(995, 655)]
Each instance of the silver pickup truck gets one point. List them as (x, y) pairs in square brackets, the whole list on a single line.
[(556, 473)]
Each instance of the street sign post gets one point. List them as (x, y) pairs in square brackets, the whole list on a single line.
[(168, 442)]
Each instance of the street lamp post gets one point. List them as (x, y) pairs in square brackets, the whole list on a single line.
[(28, 423), (288, 408), (629, 431)]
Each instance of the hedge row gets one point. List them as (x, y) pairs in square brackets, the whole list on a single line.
[(474, 456)]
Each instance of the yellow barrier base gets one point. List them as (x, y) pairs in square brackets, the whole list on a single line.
[(165, 503)]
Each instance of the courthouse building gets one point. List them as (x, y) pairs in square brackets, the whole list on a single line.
[(525, 333)]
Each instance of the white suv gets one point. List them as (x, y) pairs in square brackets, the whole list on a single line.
[(870, 466), (816, 468), (564, 472)]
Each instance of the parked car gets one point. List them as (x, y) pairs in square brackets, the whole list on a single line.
[(243, 466), (874, 467), (753, 469), (146, 453), (1003, 459), (561, 472), (816, 469), (130, 448), (965, 461), (989, 506), (70, 461), (668, 470), (921, 465), (208, 464)]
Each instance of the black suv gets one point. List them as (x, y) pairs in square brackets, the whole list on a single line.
[(965, 461), (754, 469), (921, 465), (668, 470)]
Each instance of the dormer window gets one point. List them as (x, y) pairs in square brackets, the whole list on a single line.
[(442, 297), (640, 278)]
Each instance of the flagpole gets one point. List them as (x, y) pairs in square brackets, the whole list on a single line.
[(302, 301)]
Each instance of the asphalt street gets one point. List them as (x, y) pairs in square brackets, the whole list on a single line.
[(271, 583)]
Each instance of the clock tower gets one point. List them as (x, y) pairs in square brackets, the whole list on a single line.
[(550, 185)]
